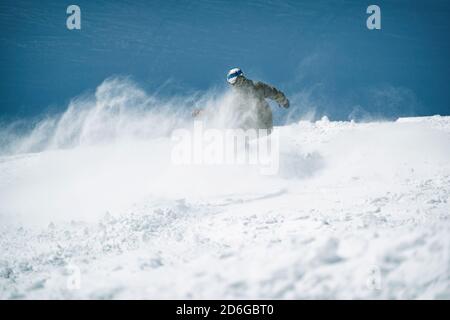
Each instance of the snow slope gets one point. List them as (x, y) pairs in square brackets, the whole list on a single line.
[(357, 210)]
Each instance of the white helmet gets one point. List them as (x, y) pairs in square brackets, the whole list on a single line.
[(233, 74)]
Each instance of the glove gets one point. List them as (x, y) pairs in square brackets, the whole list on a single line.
[(286, 104), (196, 112)]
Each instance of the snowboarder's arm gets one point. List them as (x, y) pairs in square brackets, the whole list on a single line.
[(201, 113), (273, 93)]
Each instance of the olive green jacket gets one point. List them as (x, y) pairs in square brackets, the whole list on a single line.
[(253, 95), (249, 109)]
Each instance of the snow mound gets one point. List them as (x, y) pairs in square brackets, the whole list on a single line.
[(356, 210)]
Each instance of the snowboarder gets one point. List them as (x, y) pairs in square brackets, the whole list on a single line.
[(251, 106)]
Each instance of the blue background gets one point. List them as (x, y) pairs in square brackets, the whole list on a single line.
[(319, 52)]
